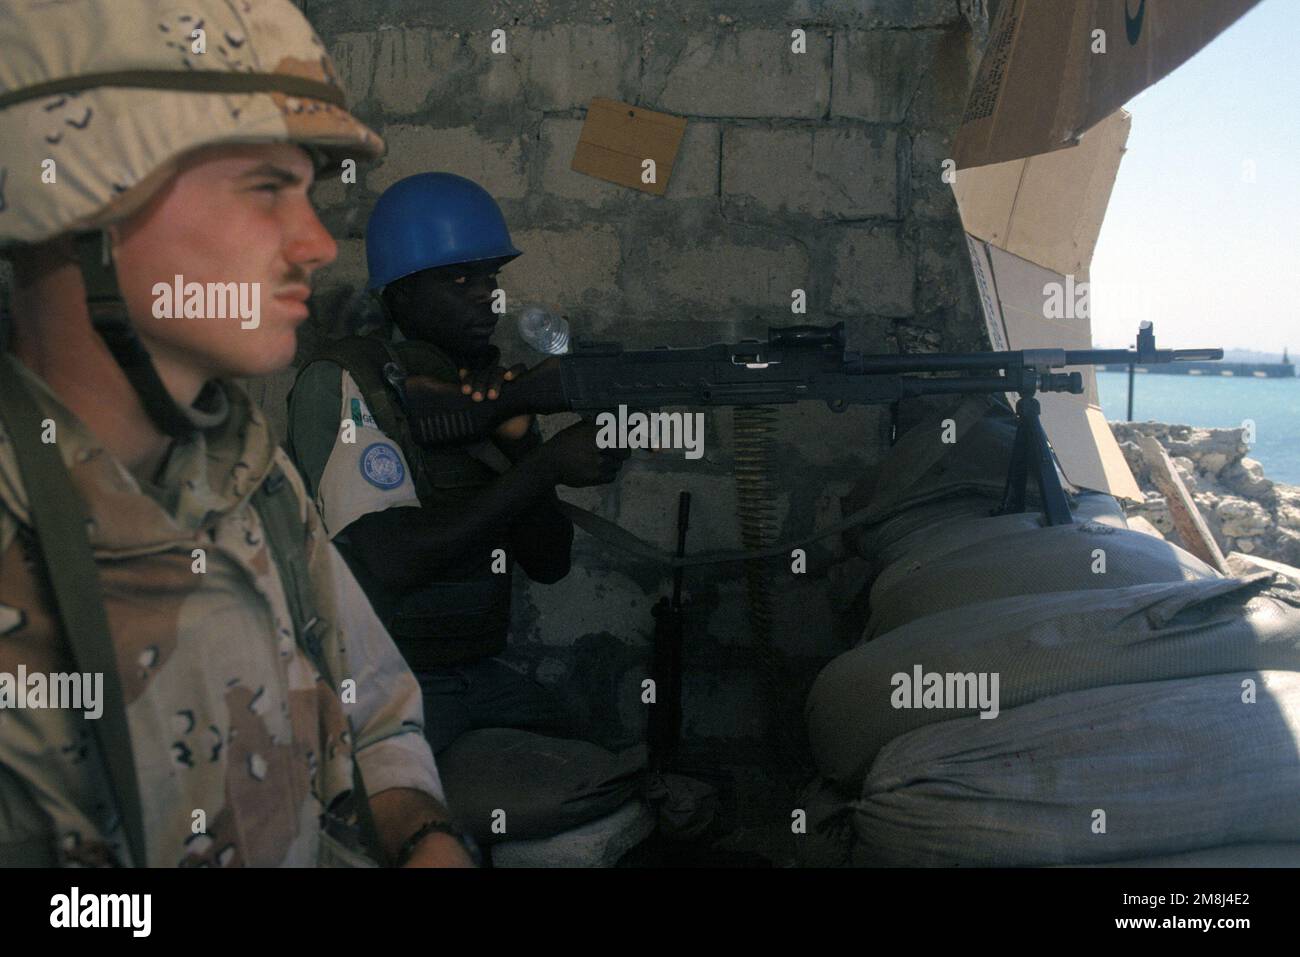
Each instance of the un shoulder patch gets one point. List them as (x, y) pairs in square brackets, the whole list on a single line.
[(381, 466)]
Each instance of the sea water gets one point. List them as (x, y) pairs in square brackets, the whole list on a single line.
[(1217, 402)]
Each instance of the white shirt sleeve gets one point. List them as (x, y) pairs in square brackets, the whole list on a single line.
[(388, 715), (366, 470)]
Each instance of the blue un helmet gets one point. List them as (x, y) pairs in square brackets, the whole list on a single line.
[(430, 220)]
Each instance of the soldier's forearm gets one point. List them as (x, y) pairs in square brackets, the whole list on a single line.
[(403, 547), (516, 448), (400, 812)]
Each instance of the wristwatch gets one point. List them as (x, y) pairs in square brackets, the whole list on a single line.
[(462, 837)]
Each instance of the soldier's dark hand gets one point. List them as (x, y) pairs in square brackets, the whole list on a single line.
[(546, 368), (577, 461), (480, 384)]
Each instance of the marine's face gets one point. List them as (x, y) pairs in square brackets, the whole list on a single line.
[(451, 307), (232, 214)]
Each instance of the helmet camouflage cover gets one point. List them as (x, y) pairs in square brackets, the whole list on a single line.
[(99, 100)]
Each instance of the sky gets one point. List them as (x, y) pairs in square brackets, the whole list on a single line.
[(1189, 240)]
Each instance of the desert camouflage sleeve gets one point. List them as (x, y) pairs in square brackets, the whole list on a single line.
[(49, 773)]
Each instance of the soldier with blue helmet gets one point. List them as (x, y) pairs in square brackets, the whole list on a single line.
[(433, 534)]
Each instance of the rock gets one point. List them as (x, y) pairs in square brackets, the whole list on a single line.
[(1155, 512), (1245, 509), (1287, 547), (1213, 462), (1164, 523), (1241, 565), (1288, 506), (1210, 449), (1206, 501), (1186, 471), (1239, 518), (1246, 478), (1137, 462)]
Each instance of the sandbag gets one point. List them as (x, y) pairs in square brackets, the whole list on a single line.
[(1234, 855), (922, 467), (543, 785), (954, 523), (598, 843), (885, 541), (944, 573), (1175, 766), (828, 840), (1046, 644)]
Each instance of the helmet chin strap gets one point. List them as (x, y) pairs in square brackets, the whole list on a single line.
[(109, 317)]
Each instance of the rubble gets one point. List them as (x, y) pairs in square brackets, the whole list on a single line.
[(1246, 511)]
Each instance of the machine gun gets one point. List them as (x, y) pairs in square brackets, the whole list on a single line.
[(795, 364)]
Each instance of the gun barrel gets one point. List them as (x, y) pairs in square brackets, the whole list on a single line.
[(957, 385), (857, 364), (977, 361)]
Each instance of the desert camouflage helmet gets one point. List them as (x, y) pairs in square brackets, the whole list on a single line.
[(114, 94), (100, 100)]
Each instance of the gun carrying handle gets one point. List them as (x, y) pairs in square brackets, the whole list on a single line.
[(807, 336)]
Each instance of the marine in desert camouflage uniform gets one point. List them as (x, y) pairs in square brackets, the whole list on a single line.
[(228, 715)]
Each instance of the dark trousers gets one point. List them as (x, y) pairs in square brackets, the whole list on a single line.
[(488, 694)]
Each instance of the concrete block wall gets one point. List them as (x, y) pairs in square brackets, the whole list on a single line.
[(818, 170)]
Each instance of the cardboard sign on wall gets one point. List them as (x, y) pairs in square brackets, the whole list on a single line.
[(617, 138)]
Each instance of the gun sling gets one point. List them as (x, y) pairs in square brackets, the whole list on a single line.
[(58, 518), (277, 507)]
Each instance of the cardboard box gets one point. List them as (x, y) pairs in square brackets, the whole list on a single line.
[(1047, 208), (1031, 226), (1054, 70), (1032, 210), (1011, 293), (1042, 83)]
